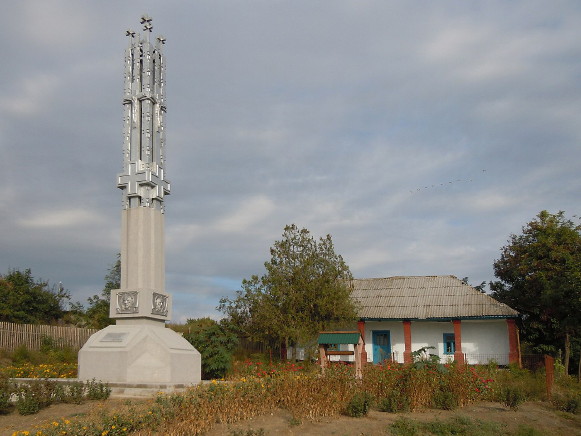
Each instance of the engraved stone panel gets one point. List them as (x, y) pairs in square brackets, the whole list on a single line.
[(114, 337)]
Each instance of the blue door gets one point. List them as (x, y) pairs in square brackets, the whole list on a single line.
[(381, 345)]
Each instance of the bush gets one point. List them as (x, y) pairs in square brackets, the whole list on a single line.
[(97, 390), (21, 354), (512, 397), (405, 427), (446, 400), (6, 389), (216, 341), (75, 393), (394, 402), (34, 396), (359, 405), (570, 403), (27, 402)]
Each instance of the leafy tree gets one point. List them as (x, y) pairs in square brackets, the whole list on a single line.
[(25, 300), (216, 341), (97, 313), (306, 289), (539, 274)]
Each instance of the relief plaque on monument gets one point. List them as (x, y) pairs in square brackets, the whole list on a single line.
[(127, 302), (159, 304)]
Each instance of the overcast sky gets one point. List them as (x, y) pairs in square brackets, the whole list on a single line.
[(419, 134)]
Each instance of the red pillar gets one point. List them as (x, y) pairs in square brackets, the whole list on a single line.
[(513, 349), (361, 328), (549, 374), (407, 338), (458, 355)]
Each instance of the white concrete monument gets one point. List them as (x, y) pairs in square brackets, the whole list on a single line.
[(139, 349)]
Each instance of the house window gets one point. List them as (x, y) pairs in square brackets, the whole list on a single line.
[(449, 346)]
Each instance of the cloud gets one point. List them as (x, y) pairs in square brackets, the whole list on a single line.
[(32, 96), (325, 115), (249, 214)]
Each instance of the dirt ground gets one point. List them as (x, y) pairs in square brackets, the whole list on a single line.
[(537, 415)]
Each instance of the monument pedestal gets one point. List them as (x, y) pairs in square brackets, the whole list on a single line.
[(139, 352)]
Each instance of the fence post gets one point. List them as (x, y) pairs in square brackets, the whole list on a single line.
[(549, 374)]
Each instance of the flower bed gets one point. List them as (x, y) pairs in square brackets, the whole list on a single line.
[(50, 370)]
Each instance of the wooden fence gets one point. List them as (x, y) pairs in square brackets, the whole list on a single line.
[(33, 336)]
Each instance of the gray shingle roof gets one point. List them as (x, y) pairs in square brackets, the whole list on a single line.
[(424, 297)]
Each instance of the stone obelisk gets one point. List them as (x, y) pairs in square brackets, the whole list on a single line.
[(139, 348)]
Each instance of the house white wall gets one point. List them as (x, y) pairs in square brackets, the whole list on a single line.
[(485, 340), (482, 340)]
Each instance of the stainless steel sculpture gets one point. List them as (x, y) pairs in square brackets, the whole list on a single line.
[(143, 180)]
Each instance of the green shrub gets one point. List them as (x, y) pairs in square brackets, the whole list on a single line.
[(405, 427), (446, 400), (512, 397), (21, 354), (97, 390), (570, 403), (27, 401), (216, 341), (359, 405), (394, 402), (295, 421), (59, 393), (6, 389), (75, 393)]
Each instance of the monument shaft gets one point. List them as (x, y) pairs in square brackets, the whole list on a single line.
[(142, 293)]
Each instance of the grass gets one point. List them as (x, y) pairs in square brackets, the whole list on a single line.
[(458, 425)]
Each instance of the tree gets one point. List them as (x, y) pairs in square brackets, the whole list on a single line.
[(306, 289), (539, 275), (481, 287), (97, 313), (25, 300), (216, 341)]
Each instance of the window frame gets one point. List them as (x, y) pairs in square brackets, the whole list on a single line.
[(449, 338)]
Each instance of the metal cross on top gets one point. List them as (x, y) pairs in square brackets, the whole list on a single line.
[(146, 21)]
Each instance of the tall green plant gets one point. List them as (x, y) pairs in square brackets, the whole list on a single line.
[(26, 300), (305, 290), (539, 274), (216, 341)]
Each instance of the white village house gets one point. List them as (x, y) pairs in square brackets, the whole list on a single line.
[(399, 315)]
